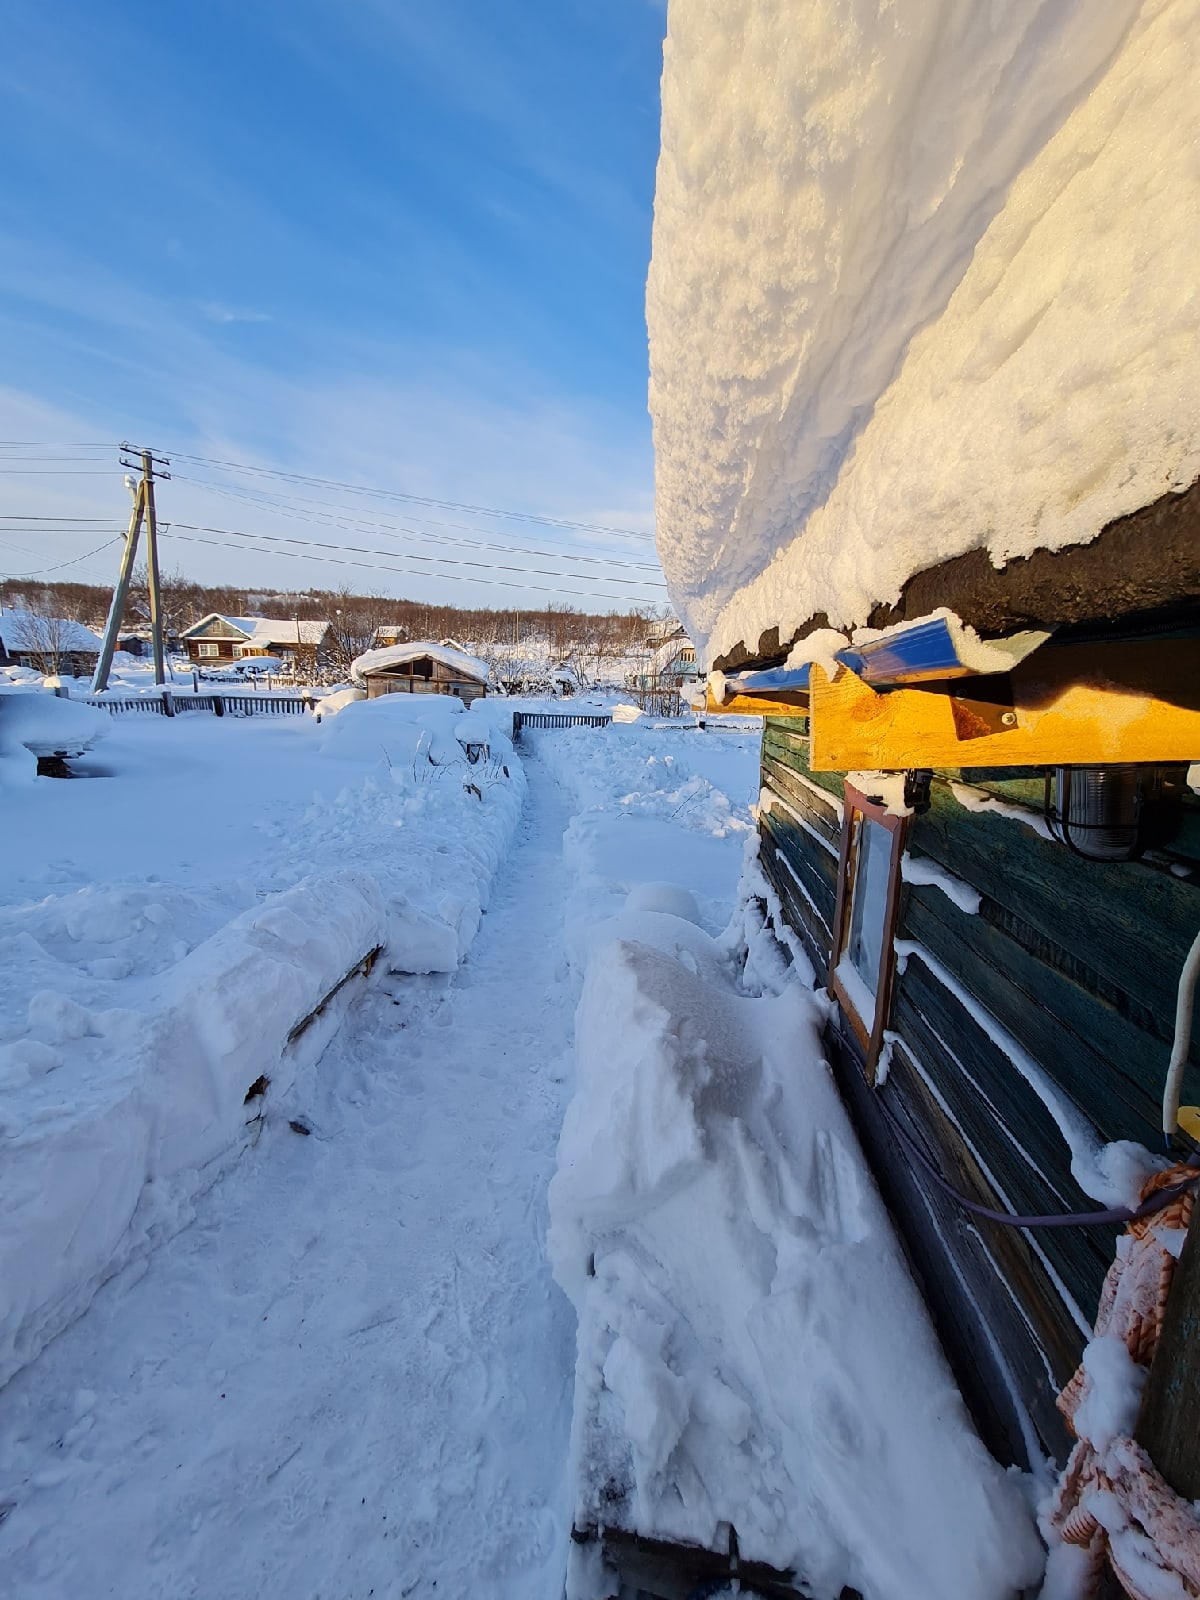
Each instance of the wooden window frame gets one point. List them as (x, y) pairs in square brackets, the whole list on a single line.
[(209, 649), (870, 1038)]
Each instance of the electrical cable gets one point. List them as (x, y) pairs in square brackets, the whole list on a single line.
[(74, 562), (273, 502), (349, 521), (166, 531), (398, 494), (1184, 1003), (408, 555)]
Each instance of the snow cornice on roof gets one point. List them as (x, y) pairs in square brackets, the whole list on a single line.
[(915, 311)]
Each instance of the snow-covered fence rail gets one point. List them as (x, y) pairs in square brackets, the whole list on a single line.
[(144, 1106), (167, 704), (558, 719)]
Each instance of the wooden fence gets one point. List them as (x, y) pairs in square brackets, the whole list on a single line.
[(167, 704), (558, 719)]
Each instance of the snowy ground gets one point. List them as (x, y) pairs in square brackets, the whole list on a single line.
[(351, 1374), (339, 1365)]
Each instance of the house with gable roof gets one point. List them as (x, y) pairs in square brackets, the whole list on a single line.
[(217, 640)]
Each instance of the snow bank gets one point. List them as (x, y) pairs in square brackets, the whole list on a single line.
[(941, 258), (751, 1347), (35, 723), (165, 926), (111, 1117), (654, 805)]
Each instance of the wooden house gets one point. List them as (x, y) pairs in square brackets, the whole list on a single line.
[(421, 667), (997, 876), (46, 644), (962, 586), (216, 640)]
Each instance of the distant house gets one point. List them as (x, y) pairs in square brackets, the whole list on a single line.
[(672, 665), (216, 639), (50, 645), (421, 668), (674, 662)]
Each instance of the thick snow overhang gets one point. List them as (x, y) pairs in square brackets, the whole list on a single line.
[(923, 327)]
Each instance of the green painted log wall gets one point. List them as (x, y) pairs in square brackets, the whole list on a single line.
[(1078, 962)]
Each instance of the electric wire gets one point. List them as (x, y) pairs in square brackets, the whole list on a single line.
[(282, 502), (167, 531), (41, 572), (410, 555), (398, 494), (369, 525)]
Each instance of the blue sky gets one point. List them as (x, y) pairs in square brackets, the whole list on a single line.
[(385, 242)]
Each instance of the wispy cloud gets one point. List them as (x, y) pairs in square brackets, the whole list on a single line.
[(216, 311)]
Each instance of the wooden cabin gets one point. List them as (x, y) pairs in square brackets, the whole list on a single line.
[(997, 877), (217, 641), (421, 668), (47, 644), (923, 509)]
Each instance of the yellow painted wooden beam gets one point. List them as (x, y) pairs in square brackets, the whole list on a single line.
[(758, 705), (1072, 705)]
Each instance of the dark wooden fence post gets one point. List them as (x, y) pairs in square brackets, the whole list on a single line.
[(168, 708)]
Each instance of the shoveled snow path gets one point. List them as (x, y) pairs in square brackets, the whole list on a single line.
[(351, 1374)]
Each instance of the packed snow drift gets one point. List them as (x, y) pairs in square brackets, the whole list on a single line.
[(921, 284), (751, 1348), (175, 924)]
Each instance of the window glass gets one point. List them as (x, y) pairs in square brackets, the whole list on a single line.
[(209, 649), (868, 913)]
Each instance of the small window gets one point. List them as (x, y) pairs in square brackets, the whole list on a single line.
[(205, 648), (865, 918)]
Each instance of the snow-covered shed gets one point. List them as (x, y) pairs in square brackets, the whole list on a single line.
[(421, 667), (925, 386)]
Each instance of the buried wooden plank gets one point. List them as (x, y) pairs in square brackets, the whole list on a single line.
[(359, 969), (671, 1570)]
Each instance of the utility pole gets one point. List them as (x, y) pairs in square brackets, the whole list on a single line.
[(156, 626), (143, 509)]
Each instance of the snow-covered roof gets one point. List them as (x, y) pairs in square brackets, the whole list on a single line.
[(26, 630), (394, 655), (671, 650), (265, 630), (921, 285)]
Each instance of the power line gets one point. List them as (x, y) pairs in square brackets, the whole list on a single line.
[(410, 555), (41, 572), (369, 566), (312, 480), (397, 494), (273, 500), (347, 520)]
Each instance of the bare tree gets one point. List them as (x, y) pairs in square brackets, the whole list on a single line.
[(44, 639)]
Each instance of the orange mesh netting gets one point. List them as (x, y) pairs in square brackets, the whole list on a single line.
[(1114, 1503)]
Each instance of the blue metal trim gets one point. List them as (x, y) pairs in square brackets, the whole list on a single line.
[(918, 653), (776, 680)]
